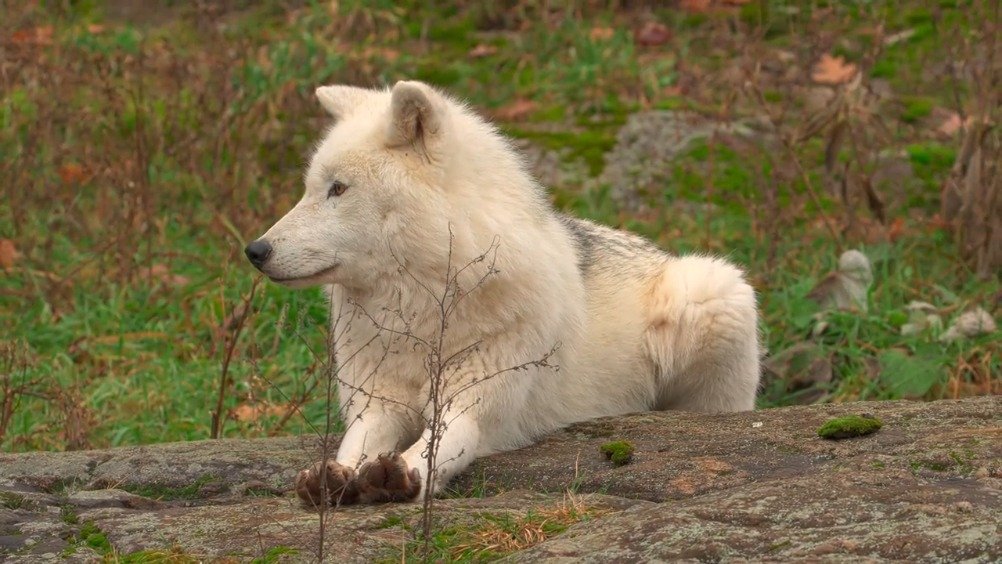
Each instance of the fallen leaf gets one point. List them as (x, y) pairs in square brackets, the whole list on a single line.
[(697, 6), (899, 37), (896, 229), (846, 288), (72, 173), (8, 253), (921, 316), (969, 324), (41, 35), (517, 110), (952, 123), (482, 50), (248, 412), (652, 34), (804, 369), (601, 33), (384, 53), (95, 28), (833, 70), (161, 273)]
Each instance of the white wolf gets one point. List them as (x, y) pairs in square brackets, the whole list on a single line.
[(409, 183)]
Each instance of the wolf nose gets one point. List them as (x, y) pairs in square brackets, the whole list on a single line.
[(258, 252)]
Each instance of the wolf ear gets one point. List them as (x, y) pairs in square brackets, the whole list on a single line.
[(341, 101), (416, 116)]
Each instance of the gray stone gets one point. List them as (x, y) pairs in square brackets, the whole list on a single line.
[(639, 168), (747, 486)]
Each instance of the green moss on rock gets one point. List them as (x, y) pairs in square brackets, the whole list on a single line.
[(848, 427), (619, 452)]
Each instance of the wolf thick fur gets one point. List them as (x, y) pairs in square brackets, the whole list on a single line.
[(399, 173)]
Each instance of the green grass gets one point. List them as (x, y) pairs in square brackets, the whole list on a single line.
[(11, 500), (141, 156), (167, 493)]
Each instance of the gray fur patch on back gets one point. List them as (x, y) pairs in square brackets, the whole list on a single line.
[(584, 241), (602, 248)]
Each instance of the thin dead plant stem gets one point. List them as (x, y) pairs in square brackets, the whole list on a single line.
[(218, 417)]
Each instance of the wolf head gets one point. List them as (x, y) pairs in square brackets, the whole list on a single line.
[(379, 188)]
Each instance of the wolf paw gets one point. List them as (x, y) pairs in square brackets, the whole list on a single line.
[(388, 479), (337, 480)]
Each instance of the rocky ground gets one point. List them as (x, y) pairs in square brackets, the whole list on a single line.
[(760, 485)]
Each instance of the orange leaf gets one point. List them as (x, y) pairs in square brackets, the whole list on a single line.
[(161, 273), (248, 412), (8, 253), (896, 229), (482, 50), (652, 34), (951, 124), (41, 35), (697, 6), (95, 28), (72, 173), (601, 33), (517, 110), (833, 70)]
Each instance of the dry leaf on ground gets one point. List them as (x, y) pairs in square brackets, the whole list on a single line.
[(833, 70), (8, 253), (969, 324), (601, 33), (697, 6), (846, 288), (950, 125), (161, 273), (652, 34), (951, 122), (517, 110), (248, 412), (72, 173), (41, 35), (482, 50)]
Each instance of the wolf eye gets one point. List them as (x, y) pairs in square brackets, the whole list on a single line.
[(337, 188)]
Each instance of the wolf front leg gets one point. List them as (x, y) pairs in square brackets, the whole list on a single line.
[(456, 446)]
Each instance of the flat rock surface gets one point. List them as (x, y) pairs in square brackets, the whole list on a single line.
[(759, 485)]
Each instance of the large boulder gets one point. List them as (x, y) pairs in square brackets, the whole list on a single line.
[(758, 485)]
